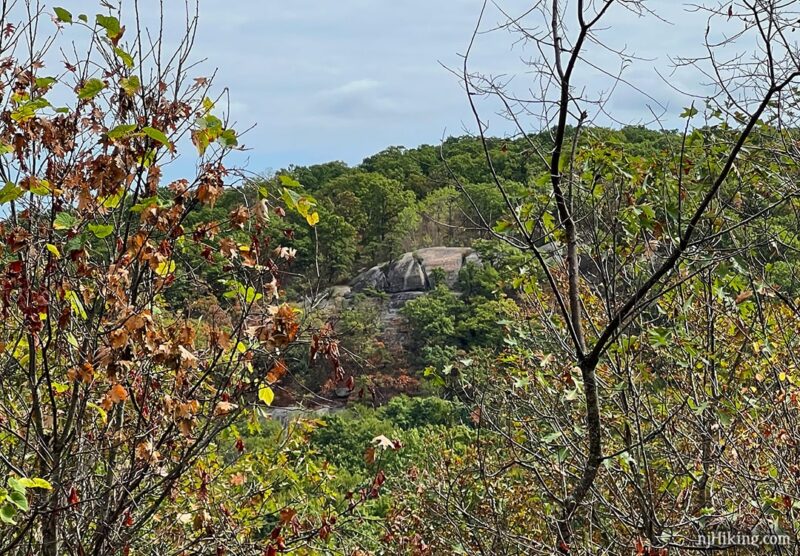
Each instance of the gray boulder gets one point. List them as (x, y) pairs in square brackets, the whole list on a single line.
[(406, 274), (413, 272), (374, 278), (449, 259)]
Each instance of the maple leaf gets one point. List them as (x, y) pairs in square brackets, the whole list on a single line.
[(383, 443), (117, 394), (277, 371), (224, 408), (119, 338), (228, 248), (220, 339), (239, 216), (146, 452), (287, 515), (188, 359)]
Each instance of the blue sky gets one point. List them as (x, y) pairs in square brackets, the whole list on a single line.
[(339, 80)]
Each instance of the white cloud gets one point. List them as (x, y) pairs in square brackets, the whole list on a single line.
[(341, 80)]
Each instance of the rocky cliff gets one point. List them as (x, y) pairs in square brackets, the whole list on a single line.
[(407, 278), (413, 272)]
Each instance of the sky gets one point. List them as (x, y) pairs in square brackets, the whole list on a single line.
[(329, 80), (340, 80)]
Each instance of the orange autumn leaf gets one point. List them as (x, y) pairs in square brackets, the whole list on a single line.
[(117, 394), (277, 371), (223, 408)]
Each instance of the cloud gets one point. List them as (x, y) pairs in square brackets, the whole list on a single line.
[(329, 80), (357, 101)]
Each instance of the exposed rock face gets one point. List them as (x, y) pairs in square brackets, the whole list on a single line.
[(449, 259), (407, 278), (374, 278), (405, 275), (413, 272)]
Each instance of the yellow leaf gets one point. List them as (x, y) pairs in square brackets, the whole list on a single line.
[(312, 219), (266, 395), (165, 267), (100, 411), (54, 250)]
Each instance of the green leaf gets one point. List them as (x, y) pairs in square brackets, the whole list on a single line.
[(551, 437), (131, 85), (41, 483), (126, 58), (76, 243), (291, 198), (19, 500), (101, 231), (252, 295), (63, 15), (113, 201), (7, 513), (121, 131), (45, 82), (60, 387), (228, 139), (157, 135), (110, 24), (502, 226), (10, 192), (64, 221), (288, 181), (91, 89), (76, 304), (41, 188), (145, 204), (100, 411), (28, 110), (84, 18), (14, 484), (266, 395), (689, 112)]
